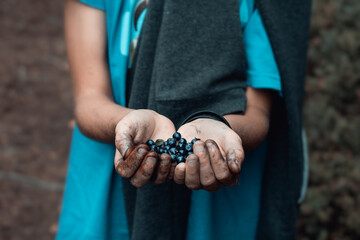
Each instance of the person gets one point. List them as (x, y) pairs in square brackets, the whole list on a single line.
[(98, 37)]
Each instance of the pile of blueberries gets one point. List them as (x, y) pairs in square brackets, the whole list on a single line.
[(176, 147)]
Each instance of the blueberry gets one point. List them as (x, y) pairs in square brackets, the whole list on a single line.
[(189, 153), (171, 142), (182, 152), (177, 136), (150, 143), (153, 147), (159, 142), (166, 143), (157, 149), (167, 148), (189, 147), (162, 150), (173, 150), (182, 140), (173, 157), (180, 159), (180, 146), (194, 140)]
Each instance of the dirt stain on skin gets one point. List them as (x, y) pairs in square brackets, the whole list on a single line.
[(214, 150), (163, 168), (128, 167), (144, 173), (197, 130)]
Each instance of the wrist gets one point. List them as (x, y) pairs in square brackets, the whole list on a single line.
[(252, 128), (206, 115), (151, 114)]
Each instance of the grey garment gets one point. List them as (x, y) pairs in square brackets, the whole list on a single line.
[(287, 25), (197, 60), (190, 57)]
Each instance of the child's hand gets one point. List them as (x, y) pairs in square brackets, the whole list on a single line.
[(216, 162), (133, 158)]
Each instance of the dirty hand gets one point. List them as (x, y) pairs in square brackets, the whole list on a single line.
[(132, 158), (217, 157)]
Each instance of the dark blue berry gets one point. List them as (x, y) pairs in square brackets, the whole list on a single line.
[(180, 159), (150, 143), (194, 140), (182, 152), (167, 148), (180, 146), (166, 143), (157, 149), (189, 147), (173, 157), (177, 136), (172, 142), (153, 147), (182, 140), (159, 142), (189, 153), (173, 150), (163, 150)]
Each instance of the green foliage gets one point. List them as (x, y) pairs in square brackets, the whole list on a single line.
[(332, 118)]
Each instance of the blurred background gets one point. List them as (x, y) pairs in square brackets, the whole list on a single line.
[(36, 120)]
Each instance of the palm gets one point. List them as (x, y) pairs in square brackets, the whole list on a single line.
[(164, 129), (217, 156), (141, 125), (209, 129), (132, 157)]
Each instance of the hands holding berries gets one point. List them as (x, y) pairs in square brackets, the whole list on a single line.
[(197, 164), (133, 159), (216, 162)]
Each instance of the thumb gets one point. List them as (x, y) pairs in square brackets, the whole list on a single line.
[(234, 154), (124, 137)]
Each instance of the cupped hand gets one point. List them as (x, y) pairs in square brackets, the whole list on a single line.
[(217, 157), (133, 159)]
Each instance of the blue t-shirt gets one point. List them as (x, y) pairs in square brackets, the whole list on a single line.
[(93, 205)]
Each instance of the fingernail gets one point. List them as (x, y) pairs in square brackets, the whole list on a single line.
[(231, 156), (151, 160), (124, 150), (141, 150), (199, 148), (180, 167), (237, 166), (124, 147), (192, 162)]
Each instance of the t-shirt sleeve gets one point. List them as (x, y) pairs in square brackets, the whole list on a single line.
[(262, 69), (99, 4)]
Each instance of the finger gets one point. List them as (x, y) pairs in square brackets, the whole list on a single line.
[(124, 135), (234, 158), (127, 167), (219, 164), (179, 176), (192, 176), (145, 171), (234, 155), (163, 168), (172, 171), (207, 176)]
